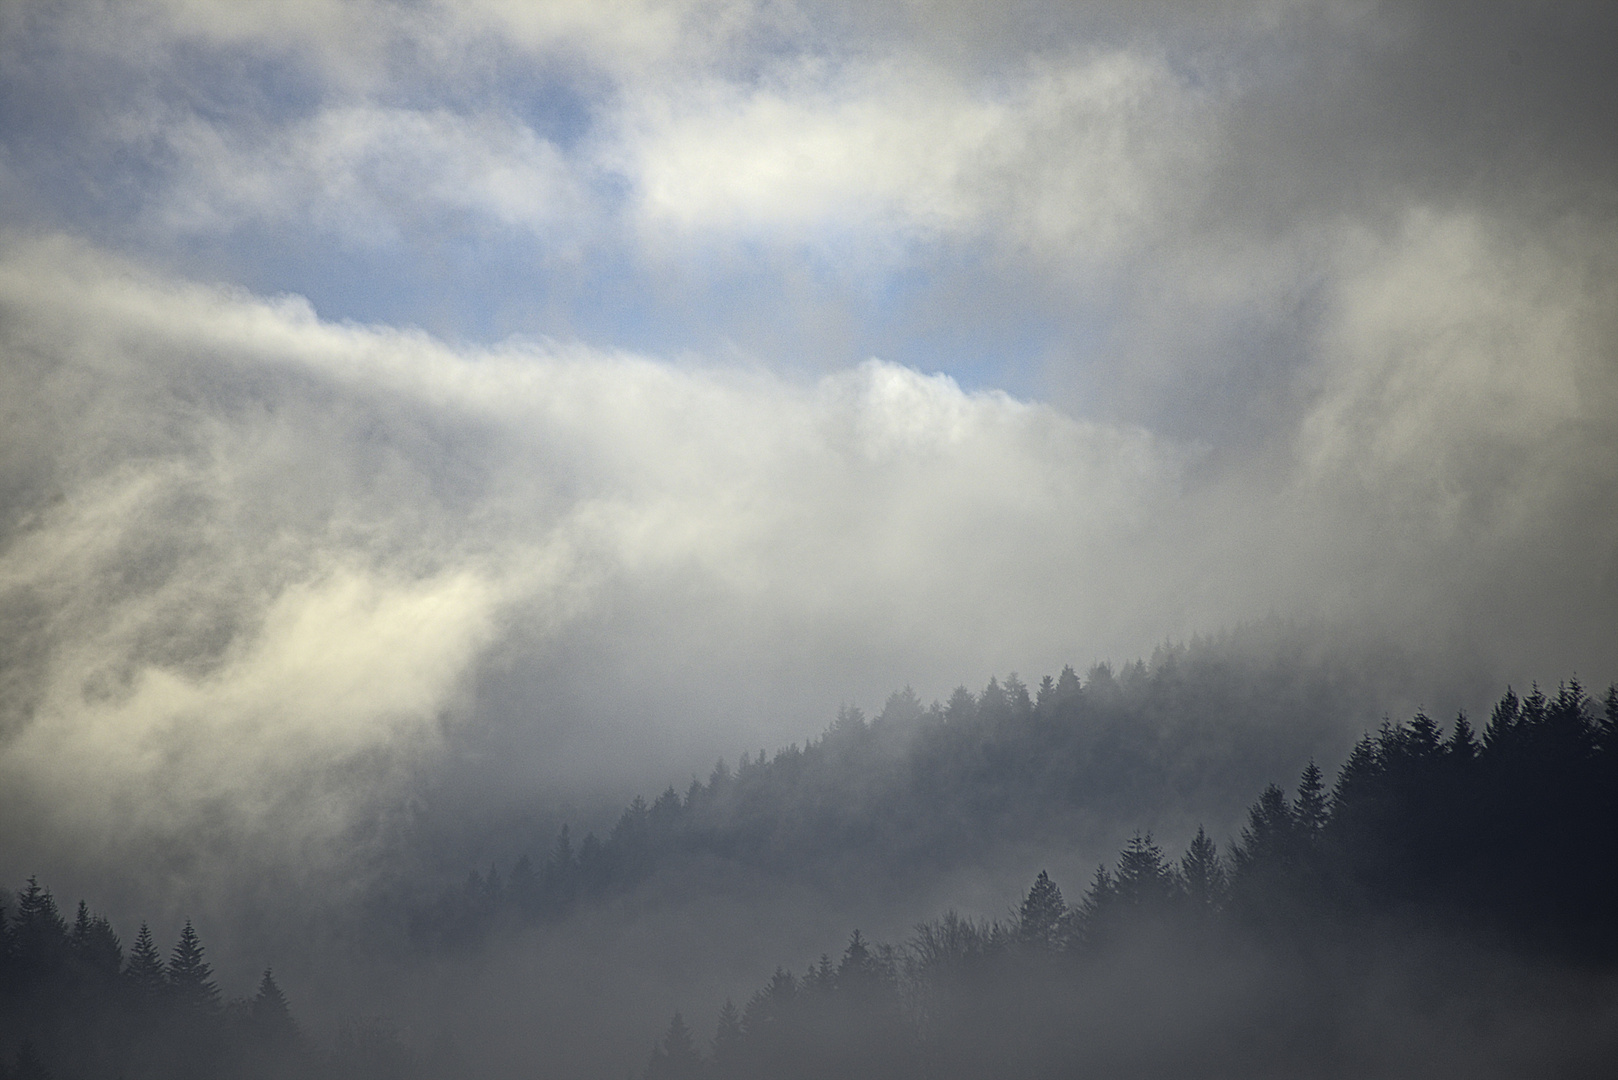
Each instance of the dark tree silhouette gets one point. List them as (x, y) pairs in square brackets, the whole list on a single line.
[(1042, 920), (190, 978)]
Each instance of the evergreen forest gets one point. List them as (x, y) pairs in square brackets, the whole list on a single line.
[(1439, 901)]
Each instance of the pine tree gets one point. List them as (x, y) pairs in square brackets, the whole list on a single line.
[(728, 1043), (39, 936), (1309, 811), (1202, 874), (145, 969), (766, 1009), (81, 927), (1268, 838), (271, 1016), (1143, 880), (1045, 697), (1095, 910), (1067, 685), (993, 705), (1042, 919), (962, 707), (100, 949), (1017, 697), (190, 978), (676, 1057), (1462, 744), (1424, 740)]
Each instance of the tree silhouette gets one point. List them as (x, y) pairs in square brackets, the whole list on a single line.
[(1202, 875), (272, 1017), (676, 1056), (145, 968), (1042, 919), (190, 978)]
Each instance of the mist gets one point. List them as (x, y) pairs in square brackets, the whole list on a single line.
[(426, 426)]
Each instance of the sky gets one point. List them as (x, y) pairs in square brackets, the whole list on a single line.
[(565, 393)]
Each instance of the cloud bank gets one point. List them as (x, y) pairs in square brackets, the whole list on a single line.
[(387, 385)]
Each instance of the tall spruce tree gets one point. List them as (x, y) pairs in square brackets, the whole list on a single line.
[(1143, 880), (145, 968), (1042, 919), (728, 1044), (1310, 810), (271, 1016), (1202, 875), (676, 1057), (190, 978)]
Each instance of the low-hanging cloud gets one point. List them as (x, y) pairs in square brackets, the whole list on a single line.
[(1307, 309), (247, 551)]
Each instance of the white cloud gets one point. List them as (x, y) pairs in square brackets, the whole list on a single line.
[(265, 542), (1075, 157), (368, 174)]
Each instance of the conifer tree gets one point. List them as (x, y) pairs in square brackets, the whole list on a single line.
[(1017, 697), (101, 950), (676, 1057), (1202, 874), (1067, 684), (993, 705), (1268, 838), (271, 1016), (190, 978), (145, 969), (1095, 909), (1142, 880), (1045, 696), (1462, 744), (728, 1043), (1042, 919), (39, 936), (1310, 810)]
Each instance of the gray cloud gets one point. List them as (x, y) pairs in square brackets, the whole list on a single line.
[(1304, 309)]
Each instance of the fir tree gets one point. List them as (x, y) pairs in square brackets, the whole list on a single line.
[(190, 978), (1202, 874), (1045, 697), (728, 1043), (1462, 744), (1067, 685), (38, 933), (1268, 838), (145, 968), (271, 1016), (1095, 909), (676, 1057), (1142, 880), (1310, 810), (1042, 919)]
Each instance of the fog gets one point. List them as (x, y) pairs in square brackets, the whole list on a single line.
[(428, 424)]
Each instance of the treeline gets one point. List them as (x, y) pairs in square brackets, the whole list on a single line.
[(923, 788), (1484, 857), (74, 1005)]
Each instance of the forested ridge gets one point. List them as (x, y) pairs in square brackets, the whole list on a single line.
[(918, 789), (1443, 898), (1469, 876)]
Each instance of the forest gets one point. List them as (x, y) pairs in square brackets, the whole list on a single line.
[(1491, 859), (1440, 903)]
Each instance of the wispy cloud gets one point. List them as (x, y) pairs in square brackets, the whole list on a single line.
[(1298, 308)]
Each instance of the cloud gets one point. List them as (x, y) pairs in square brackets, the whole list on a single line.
[(242, 542), (1073, 155), (369, 175), (1300, 308)]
